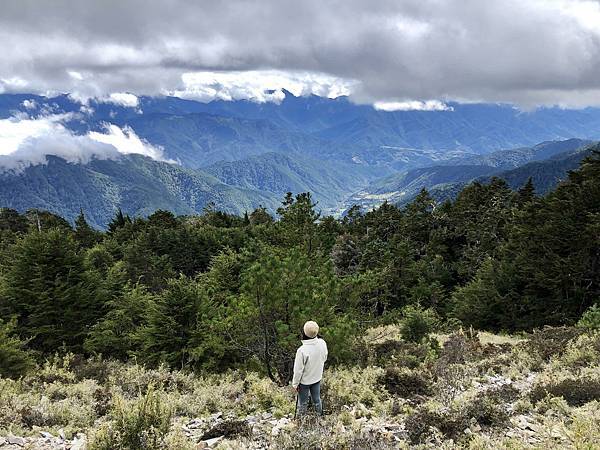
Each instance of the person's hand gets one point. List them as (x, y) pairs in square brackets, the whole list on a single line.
[(296, 388)]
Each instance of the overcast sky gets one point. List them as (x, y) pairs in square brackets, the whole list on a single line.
[(528, 52)]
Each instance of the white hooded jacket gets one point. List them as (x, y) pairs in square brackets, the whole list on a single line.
[(310, 359)]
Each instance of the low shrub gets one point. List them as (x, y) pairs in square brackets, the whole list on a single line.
[(351, 386), (591, 318), (581, 352), (229, 429), (460, 347), (452, 422), (505, 393), (140, 424), (576, 391), (400, 353), (450, 380), (406, 383), (551, 341)]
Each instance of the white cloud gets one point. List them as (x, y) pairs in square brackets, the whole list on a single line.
[(26, 141), (259, 85), (29, 104), (413, 105), (122, 99), (126, 142), (75, 75)]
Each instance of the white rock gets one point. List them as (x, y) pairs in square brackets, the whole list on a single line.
[(61, 434), (78, 443), (16, 440), (46, 435), (216, 416), (2, 441), (214, 441)]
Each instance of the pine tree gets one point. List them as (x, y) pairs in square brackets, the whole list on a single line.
[(85, 235), (119, 221), (48, 291), (298, 221), (279, 292), (526, 193), (15, 359)]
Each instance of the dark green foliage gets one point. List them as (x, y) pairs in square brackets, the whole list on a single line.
[(551, 341), (576, 391), (406, 383), (85, 235), (49, 291), (15, 359), (220, 291), (417, 324), (11, 220), (114, 334), (228, 428)]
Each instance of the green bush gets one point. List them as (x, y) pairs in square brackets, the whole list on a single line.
[(400, 353), (591, 318), (15, 359), (417, 323), (576, 391), (138, 425)]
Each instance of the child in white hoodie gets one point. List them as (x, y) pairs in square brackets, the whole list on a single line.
[(308, 368)]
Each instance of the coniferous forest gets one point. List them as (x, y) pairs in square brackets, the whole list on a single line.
[(217, 293)]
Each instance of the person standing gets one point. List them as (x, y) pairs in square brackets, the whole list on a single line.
[(308, 368)]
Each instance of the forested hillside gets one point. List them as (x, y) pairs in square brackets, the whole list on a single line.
[(212, 278), (167, 319)]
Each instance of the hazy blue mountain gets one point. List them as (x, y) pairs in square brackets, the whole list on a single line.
[(546, 163), (508, 159), (404, 186), (478, 128), (545, 174), (201, 139), (136, 184), (331, 147), (278, 173)]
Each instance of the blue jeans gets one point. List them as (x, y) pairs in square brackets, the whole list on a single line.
[(312, 391)]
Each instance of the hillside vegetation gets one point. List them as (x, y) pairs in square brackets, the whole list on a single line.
[(167, 330)]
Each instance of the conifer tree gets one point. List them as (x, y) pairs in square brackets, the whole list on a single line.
[(119, 221), (85, 235), (15, 359), (47, 289)]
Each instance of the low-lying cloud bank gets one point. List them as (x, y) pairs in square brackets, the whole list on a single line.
[(260, 85), (26, 141)]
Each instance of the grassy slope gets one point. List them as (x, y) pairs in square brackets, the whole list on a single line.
[(488, 393)]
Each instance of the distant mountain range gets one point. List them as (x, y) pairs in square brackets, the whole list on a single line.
[(240, 154), (546, 164), (138, 184)]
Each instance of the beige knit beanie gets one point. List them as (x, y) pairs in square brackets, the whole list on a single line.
[(311, 329)]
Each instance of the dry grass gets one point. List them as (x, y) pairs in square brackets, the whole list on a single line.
[(500, 393)]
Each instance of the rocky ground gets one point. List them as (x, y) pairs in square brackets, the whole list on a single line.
[(473, 391)]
